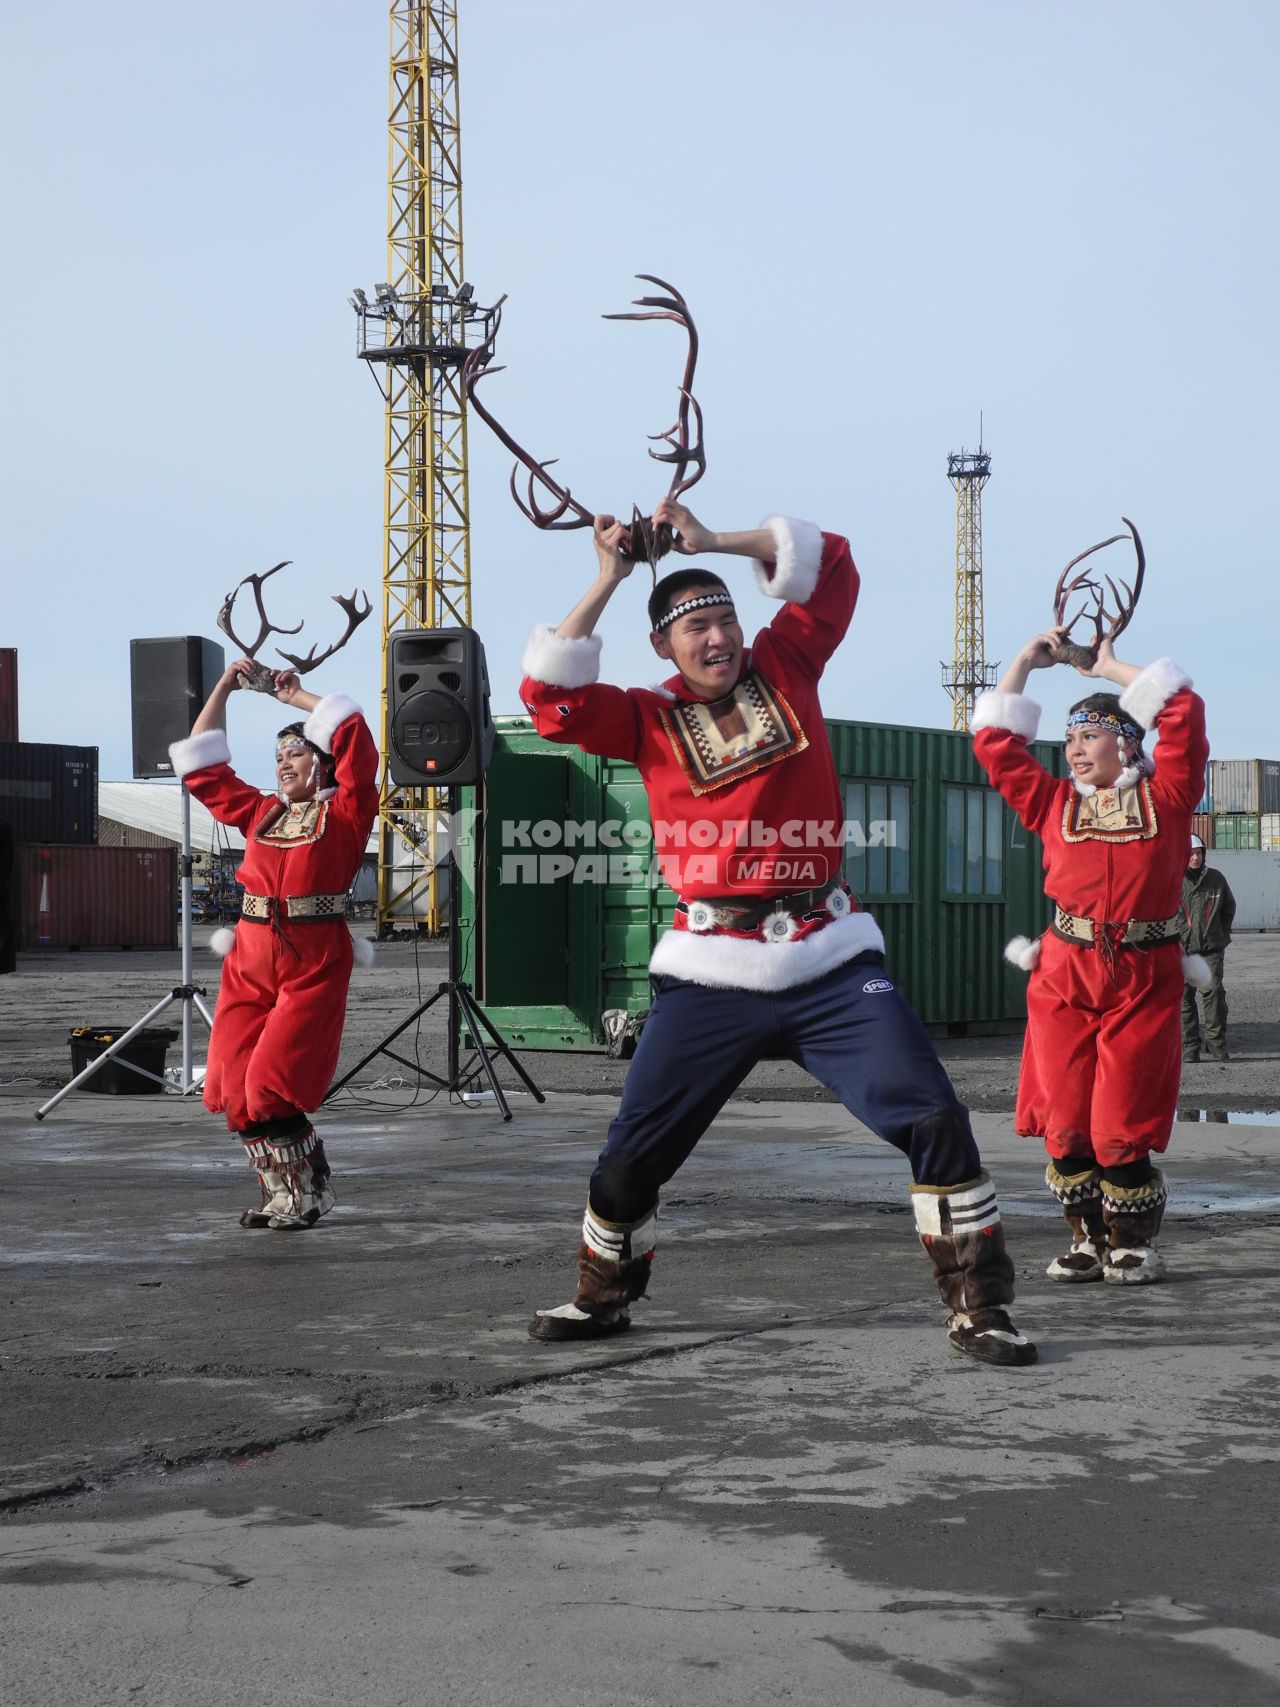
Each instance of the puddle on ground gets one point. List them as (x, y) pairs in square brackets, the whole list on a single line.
[(1231, 1117)]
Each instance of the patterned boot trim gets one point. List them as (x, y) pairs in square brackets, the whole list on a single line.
[(1132, 1215), (614, 1260), (1080, 1195), (960, 1228), (293, 1195)]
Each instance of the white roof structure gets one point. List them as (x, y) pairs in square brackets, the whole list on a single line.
[(157, 807)]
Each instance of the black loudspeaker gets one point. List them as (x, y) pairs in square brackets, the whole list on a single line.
[(438, 704), (169, 681)]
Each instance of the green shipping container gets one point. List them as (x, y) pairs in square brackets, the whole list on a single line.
[(1241, 831), (937, 857)]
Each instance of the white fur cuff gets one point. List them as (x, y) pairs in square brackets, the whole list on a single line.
[(1023, 952), (198, 752), (1011, 711), (1147, 695), (797, 560), (558, 661), (322, 723), (1196, 971), (223, 940)]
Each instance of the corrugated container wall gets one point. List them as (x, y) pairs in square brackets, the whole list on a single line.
[(1240, 831), (92, 897), (8, 693), (1206, 799), (1202, 826), (1269, 832), (49, 793), (1245, 785), (942, 864)]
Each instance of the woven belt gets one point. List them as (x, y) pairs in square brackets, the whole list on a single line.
[(259, 908), (719, 912), (1138, 933)]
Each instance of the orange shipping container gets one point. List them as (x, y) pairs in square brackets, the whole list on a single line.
[(68, 896), (1202, 826)]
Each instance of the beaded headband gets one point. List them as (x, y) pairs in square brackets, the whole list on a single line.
[(1104, 720), (702, 602)]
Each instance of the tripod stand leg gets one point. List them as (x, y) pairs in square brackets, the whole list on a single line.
[(381, 1048), (475, 1013), (101, 1060), (462, 999)]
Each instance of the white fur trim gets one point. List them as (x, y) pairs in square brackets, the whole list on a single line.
[(1023, 952), (362, 950), (1011, 711), (662, 691), (1196, 971), (797, 560), (198, 752), (223, 940), (560, 661), (1147, 695), (737, 963), (323, 720)]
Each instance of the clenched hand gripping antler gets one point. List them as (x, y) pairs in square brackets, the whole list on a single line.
[(645, 543), (260, 678), (1106, 624)]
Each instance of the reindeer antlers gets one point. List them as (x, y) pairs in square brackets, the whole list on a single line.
[(1126, 602), (644, 541), (262, 678)]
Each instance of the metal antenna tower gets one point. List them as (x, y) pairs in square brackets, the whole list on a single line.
[(968, 674), (414, 337)]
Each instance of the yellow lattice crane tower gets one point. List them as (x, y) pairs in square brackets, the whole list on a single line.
[(969, 673), (415, 336)]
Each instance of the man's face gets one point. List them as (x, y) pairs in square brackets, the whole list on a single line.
[(1196, 861), (1093, 755), (705, 646), (298, 769)]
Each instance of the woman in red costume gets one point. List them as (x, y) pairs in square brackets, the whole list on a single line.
[(1101, 1060), (278, 1024)]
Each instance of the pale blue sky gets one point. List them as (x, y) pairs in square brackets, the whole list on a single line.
[(885, 218)]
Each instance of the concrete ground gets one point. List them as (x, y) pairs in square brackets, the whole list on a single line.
[(243, 1467)]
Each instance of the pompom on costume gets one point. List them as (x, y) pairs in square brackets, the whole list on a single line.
[(278, 1023), (1102, 1056)]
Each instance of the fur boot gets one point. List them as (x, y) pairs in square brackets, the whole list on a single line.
[(292, 1174), (613, 1271), (959, 1226), (1080, 1194), (1133, 1215)]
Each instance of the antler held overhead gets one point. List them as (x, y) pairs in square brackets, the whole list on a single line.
[(355, 616), (1106, 624), (684, 437)]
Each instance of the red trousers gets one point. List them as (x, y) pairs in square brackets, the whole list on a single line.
[(1102, 1058), (277, 1028)]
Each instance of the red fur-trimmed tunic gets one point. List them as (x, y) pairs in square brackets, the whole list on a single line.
[(742, 791), (1102, 1057), (278, 1024)]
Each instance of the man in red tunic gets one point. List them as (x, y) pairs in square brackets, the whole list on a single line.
[(769, 954), (1101, 1060), (278, 1024)]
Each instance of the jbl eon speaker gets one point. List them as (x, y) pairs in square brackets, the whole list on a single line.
[(169, 681), (438, 703)]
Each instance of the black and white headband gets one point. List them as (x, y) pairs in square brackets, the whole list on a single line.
[(702, 602)]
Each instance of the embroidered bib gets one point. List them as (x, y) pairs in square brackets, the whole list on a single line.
[(721, 740), (294, 825), (1111, 815)]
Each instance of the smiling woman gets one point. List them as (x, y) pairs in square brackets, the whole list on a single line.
[(278, 1024), (1100, 1066)]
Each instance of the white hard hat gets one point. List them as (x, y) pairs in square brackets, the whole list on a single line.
[(1196, 843)]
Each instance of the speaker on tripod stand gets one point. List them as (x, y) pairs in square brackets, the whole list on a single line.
[(441, 736)]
